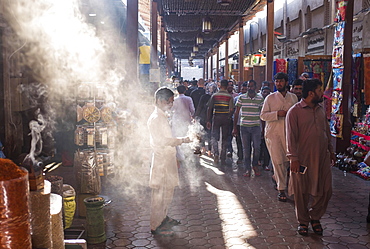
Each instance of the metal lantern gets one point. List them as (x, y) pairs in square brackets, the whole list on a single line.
[(195, 49), (224, 2), (206, 25), (199, 39), (192, 54)]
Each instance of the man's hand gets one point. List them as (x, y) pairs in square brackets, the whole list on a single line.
[(235, 132), (208, 125), (332, 158), (294, 166), (281, 113), (186, 140)]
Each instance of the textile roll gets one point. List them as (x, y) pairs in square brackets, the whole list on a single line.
[(40, 217), (56, 203), (367, 79)]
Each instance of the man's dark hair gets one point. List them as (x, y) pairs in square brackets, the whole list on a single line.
[(265, 82), (224, 83), (281, 75), (265, 88), (194, 83), (245, 84), (253, 81), (163, 93), (298, 82), (310, 85), (181, 89)]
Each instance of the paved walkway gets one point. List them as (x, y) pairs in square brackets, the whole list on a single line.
[(220, 208)]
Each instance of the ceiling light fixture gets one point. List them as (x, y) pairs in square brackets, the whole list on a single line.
[(199, 39), (206, 25), (192, 54), (224, 2), (195, 49)]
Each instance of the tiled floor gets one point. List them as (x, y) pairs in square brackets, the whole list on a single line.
[(220, 208)]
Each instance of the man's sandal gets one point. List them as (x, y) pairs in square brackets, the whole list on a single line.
[(282, 197), (162, 231), (303, 229), (170, 221), (316, 227)]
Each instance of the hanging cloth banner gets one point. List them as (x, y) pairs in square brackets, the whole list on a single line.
[(341, 10), (367, 78), (281, 65)]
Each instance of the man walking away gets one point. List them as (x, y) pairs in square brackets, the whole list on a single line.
[(198, 93), (309, 144), (221, 105)]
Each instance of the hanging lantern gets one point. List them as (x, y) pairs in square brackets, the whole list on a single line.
[(192, 54), (224, 2), (199, 39), (206, 25), (195, 49), (190, 58)]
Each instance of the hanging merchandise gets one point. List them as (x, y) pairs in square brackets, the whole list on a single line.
[(281, 65), (292, 70), (337, 57), (337, 78), (339, 34), (336, 125), (341, 10), (336, 101), (367, 78)]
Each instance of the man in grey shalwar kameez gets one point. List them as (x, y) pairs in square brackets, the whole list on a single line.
[(164, 171), (309, 144)]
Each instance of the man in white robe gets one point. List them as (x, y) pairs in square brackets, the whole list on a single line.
[(274, 110), (164, 171)]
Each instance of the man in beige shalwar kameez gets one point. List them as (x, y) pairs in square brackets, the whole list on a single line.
[(273, 112), (309, 144), (164, 171)]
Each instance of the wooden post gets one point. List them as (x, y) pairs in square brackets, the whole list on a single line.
[(269, 40), (342, 144), (226, 76), (241, 52), (204, 67), (132, 36), (217, 64), (154, 30), (212, 66)]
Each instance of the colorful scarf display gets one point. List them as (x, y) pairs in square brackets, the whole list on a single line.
[(367, 78)]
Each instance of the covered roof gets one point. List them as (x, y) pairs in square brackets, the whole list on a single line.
[(183, 22)]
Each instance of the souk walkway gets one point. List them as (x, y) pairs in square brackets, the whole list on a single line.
[(220, 208)]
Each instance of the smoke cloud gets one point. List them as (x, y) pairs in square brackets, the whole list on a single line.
[(63, 50)]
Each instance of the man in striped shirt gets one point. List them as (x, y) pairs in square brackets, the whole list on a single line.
[(249, 105), (221, 105)]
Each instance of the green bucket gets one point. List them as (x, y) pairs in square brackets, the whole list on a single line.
[(95, 220)]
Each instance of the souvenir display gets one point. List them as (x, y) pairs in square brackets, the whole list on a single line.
[(367, 79), (336, 125), (93, 136), (79, 113), (106, 114), (337, 56), (339, 34), (337, 78), (91, 114), (336, 101), (341, 10)]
